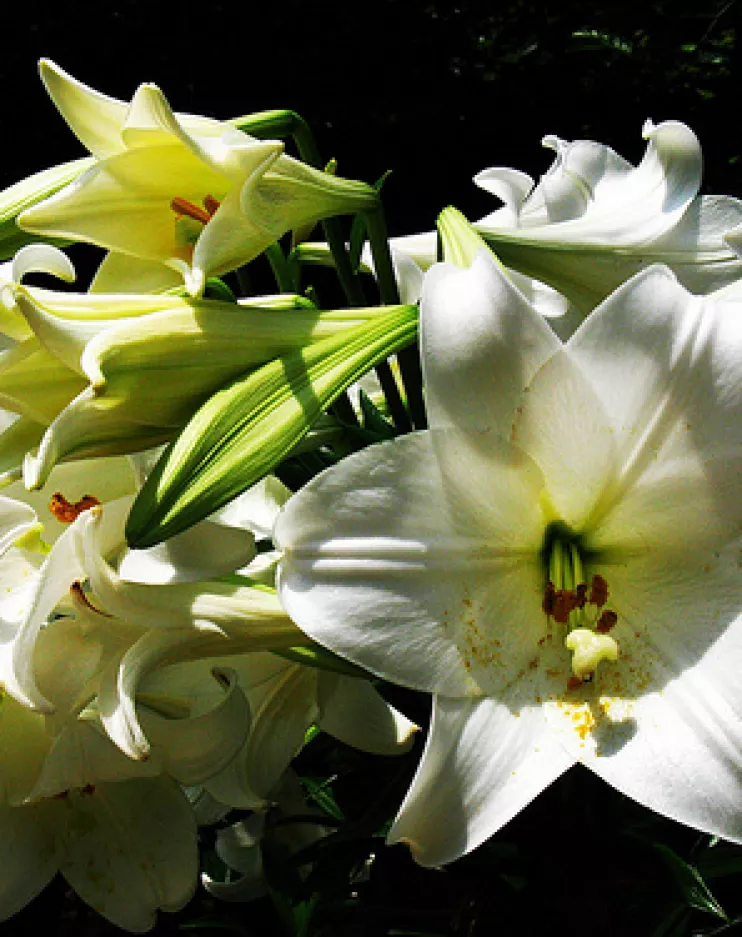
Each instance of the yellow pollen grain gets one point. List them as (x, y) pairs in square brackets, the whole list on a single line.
[(580, 715)]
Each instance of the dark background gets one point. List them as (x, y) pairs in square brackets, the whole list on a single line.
[(435, 91)]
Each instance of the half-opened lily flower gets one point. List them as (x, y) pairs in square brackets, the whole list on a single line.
[(556, 559), (594, 219), (173, 598), (194, 194)]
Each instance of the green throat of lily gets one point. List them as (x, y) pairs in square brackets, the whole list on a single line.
[(577, 606)]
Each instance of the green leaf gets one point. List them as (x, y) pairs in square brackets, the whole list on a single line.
[(319, 791), (314, 655), (691, 885), (373, 421), (244, 430)]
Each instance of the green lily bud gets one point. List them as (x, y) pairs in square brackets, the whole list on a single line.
[(248, 427), (140, 365)]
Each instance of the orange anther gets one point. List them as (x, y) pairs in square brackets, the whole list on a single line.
[(574, 683), (65, 511), (181, 206)]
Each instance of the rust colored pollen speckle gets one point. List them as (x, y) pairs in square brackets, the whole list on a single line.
[(65, 511)]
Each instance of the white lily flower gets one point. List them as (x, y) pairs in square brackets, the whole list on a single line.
[(613, 461), (194, 194), (284, 698), (594, 220), (124, 839)]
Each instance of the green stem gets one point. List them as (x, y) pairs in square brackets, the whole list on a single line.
[(343, 410), (408, 358), (397, 409), (280, 268)]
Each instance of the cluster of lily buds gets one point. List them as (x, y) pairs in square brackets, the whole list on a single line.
[(175, 621)]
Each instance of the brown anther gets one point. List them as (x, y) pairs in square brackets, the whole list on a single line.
[(211, 205), (606, 621), (574, 683), (65, 511), (565, 602), (548, 603), (598, 591), (581, 595), (88, 789), (181, 206)]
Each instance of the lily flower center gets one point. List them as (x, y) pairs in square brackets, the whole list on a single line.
[(190, 220), (569, 601), (185, 209)]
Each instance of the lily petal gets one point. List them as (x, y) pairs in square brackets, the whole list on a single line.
[(492, 359), (371, 571), (476, 788), (130, 849), (354, 712), (28, 853)]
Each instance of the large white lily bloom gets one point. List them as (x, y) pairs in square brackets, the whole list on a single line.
[(194, 194), (427, 559), (594, 219)]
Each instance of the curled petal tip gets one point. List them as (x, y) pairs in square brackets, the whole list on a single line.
[(648, 128)]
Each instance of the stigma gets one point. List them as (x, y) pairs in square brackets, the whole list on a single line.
[(589, 648)]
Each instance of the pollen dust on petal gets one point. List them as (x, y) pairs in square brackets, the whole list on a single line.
[(581, 717), (67, 512)]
